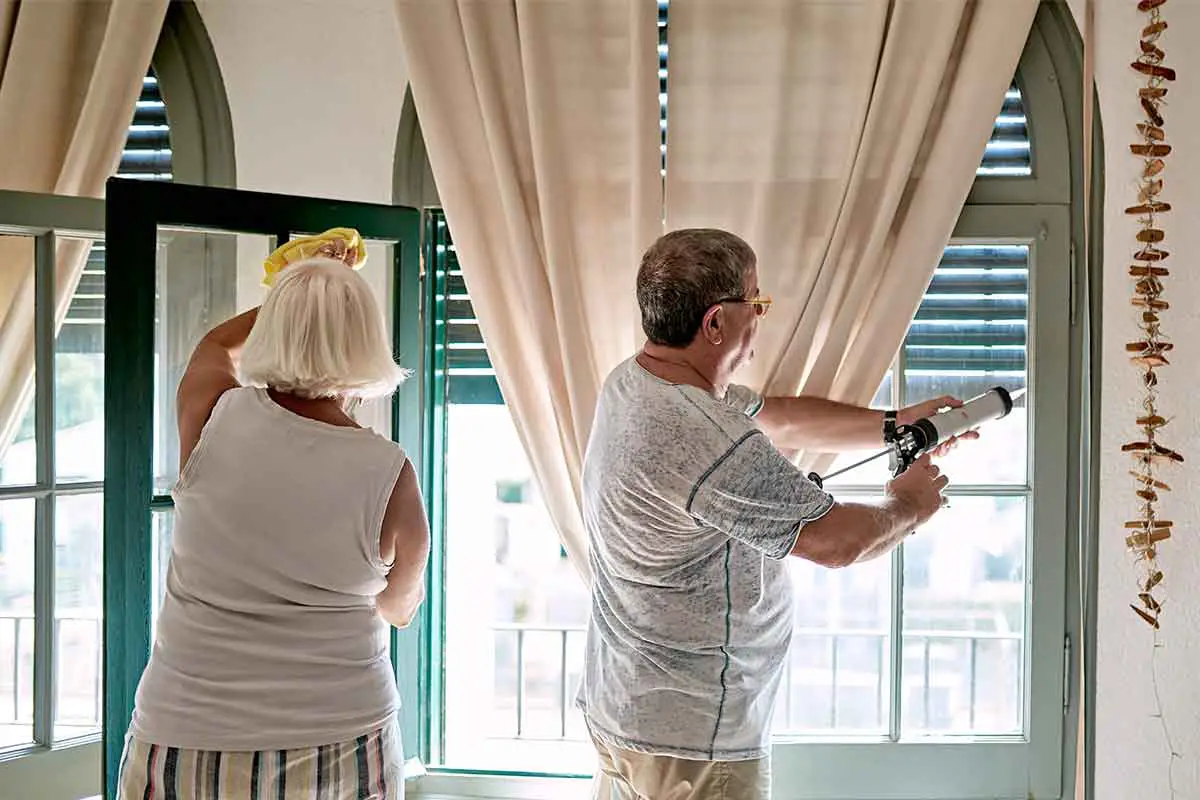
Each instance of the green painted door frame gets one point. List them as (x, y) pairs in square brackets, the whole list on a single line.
[(135, 210)]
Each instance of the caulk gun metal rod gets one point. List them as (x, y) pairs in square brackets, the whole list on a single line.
[(868, 460)]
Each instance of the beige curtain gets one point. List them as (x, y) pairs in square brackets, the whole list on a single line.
[(70, 74), (841, 140), (541, 123)]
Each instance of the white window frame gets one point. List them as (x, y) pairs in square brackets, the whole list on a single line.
[(45, 219), (965, 767)]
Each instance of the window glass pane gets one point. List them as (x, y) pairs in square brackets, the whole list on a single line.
[(515, 608), (969, 335), (78, 608), (203, 279), (836, 677), (18, 450), (964, 619), (79, 369), (160, 548), (16, 621), (1001, 454)]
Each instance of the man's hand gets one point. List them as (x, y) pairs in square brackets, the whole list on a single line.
[(926, 408), (909, 415), (919, 490), (855, 532)]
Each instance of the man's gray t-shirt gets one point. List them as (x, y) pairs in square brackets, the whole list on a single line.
[(690, 511)]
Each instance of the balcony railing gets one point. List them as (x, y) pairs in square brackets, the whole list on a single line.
[(77, 706), (799, 685), (810, 701), (564, 634)]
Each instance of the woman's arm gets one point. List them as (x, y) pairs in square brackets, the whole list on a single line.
[(210, 373), (405, 541)]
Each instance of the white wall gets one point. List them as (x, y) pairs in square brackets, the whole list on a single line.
[(1131, 756), (68, 774), (315, 89)]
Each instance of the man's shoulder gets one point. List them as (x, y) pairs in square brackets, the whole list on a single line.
[(635, 397), (664, 428)]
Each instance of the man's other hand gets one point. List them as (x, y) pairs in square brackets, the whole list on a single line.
[(919, 490)]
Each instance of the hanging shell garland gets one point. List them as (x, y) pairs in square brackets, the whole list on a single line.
[(1148, 531)]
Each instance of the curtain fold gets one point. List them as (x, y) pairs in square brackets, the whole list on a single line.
[(841, 140), (541, 123), (70, 74)]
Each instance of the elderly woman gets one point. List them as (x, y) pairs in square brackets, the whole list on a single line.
[(298, 535)]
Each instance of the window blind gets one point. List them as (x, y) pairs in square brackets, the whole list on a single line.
[(973, 318), (458, 344), (1008, 150), (146, 156)]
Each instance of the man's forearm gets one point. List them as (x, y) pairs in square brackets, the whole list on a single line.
[(894, 526), (855, 532), (814, 423)]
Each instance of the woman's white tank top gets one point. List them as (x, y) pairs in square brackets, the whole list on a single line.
[(268, 637)]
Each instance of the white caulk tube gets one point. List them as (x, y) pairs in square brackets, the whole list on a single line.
[(929, 432), (911, 441)]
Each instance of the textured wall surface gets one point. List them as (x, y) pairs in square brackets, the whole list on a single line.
[(1131, 756)]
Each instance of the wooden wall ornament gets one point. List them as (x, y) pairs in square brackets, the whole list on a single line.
[(1147, 532)]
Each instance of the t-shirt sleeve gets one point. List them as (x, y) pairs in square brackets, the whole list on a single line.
[(743, 399), (757, 496)]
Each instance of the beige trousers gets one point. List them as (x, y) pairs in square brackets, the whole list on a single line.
[(627, 775)]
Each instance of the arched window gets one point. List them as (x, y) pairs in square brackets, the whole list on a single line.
[(51, 587)]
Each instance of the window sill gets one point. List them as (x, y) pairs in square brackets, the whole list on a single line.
[(24, 751), (452, 786), (463, 786)]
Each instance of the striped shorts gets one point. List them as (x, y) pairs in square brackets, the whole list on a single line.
[(367, 768)]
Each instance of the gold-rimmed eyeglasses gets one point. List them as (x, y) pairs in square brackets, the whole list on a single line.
[(761, 303)]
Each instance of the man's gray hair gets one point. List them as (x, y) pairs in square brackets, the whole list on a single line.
[(683, 274)]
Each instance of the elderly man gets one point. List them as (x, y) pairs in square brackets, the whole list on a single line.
[(691, 511)]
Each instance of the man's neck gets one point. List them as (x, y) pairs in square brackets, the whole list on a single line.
[(681, 365)]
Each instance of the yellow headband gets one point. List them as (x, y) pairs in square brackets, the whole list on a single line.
[(340, 244)]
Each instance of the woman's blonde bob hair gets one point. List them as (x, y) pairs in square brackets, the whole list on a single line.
[(320, 333)]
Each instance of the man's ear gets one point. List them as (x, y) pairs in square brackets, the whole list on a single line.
[(713, 326)]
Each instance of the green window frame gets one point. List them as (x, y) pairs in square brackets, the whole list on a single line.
[(138, 212)]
